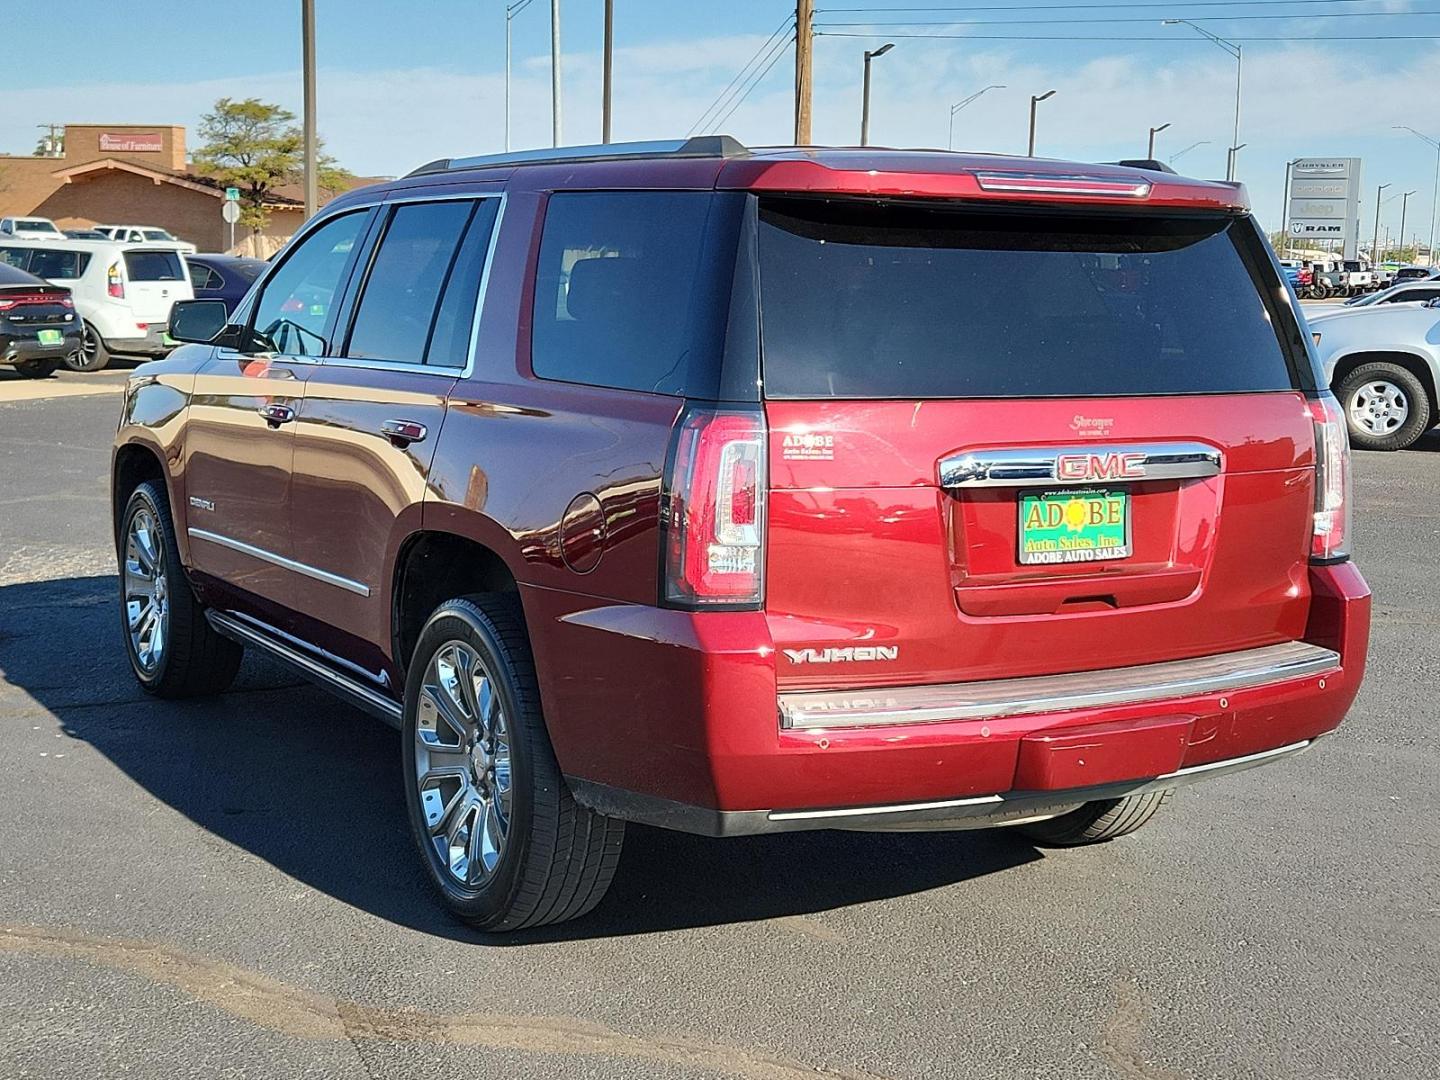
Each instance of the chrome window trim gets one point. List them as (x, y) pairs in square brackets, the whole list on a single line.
[(994, 698), (1038, 466), (279, 560)]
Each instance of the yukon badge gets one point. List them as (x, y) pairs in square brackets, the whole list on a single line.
[(846, 655)]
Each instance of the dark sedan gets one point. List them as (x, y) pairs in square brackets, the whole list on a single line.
[(38, 327), (223, 277)]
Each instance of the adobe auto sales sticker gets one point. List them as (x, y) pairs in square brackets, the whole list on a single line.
[(810, 446)]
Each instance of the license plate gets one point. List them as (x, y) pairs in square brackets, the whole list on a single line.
[(50, 337), (1069, 526)]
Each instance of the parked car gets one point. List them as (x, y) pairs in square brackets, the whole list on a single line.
[(85, 234), (1298, 274), (1359, 278), (1409, 293), (1327, 279), (223, 277), (146, 234), (1417, 273), (38, 327), (1384, 364), (29, 228), (122, 292), (552, 503)]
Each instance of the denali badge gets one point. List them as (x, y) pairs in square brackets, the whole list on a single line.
[(201, 504), (843, 656), (1100, 466)]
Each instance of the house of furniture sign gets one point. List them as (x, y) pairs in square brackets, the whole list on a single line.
[(1325, 201)]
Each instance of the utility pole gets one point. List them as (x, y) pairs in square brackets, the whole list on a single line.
[(556, 127), (804, 86), (53, 142), (865, 92), (608, 71), (1034, 101), (1375, 243), (1150, 149), (307, 47)]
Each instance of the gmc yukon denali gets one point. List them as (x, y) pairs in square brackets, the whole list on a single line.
[(740, 491)]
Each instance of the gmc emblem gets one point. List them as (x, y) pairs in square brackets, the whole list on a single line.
[(1082, 467)]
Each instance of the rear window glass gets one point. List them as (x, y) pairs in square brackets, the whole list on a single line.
[(36, 225), (156, 234), (153, 266), (898, 301), (627, 292), (66, 265)]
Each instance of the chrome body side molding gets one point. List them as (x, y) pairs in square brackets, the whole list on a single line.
[(1055, 693), (308, 667), (1064, 465), (280, 560)]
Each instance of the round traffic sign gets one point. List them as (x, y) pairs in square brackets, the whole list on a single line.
[(230, 211)]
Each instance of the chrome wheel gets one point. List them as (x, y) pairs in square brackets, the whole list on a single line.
[(1378, 407), (147, 607), (462, 763)]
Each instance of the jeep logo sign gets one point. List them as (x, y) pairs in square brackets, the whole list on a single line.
[(1083, 467)]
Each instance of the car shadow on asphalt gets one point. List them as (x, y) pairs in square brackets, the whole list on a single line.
[(282, 770)]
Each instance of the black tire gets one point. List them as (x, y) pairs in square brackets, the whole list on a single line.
[(194, 660), (93, 356), (37, 369), (1096, 822), (1417, 420), (557, 858)]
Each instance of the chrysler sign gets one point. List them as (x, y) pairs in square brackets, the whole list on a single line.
[(1324, 201)]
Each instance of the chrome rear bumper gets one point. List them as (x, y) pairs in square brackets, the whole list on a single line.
[(1055, 693)]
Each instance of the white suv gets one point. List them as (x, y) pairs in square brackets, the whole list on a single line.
[(29, 228), (146, 234), (122, 291)]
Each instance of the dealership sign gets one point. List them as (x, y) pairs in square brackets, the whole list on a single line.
[(1325, 201), (130, 143)]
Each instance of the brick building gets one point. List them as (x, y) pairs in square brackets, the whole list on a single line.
[(135, 174)]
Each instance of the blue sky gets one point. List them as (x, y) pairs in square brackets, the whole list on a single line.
[(402, 83)]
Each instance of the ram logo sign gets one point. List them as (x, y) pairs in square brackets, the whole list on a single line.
[(1081, 468), (846, 655)]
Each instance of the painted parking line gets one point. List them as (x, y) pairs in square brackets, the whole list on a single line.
[(43, 389)]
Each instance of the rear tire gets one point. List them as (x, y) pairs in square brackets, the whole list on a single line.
[(173, 649), (501, 838), (93, 356), (37, 369), (1386, 406), (1097, 822)]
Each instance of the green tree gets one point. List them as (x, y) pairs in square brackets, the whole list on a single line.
[(257, 147)]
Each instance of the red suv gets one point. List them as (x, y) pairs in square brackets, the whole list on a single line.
[(743, 491)]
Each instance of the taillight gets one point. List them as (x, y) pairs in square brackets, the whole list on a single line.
[(1331, 538), (713, 510), (6, 305), (113, 285)]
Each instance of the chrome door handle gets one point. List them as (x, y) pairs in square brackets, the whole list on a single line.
[(404, 432), (275, 415)]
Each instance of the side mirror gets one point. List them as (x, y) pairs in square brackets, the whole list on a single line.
[(197, 322)]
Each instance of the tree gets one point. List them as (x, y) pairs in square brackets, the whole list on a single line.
[(256, 147)]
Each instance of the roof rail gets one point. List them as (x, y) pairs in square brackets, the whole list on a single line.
[(701, 146)]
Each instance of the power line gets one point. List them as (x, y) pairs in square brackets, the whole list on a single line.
[(1076, 7), (756, 81), (1113, 37), (1123, 19), (721, 100)]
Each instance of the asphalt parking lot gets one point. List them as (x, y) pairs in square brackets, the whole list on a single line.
[(226, 888)]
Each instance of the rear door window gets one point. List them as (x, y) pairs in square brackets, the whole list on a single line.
[(873, 300), (153, 266), (628, 293), (396, 316)]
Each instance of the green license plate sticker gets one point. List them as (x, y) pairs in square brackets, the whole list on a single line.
[(1074, 526), (50, 337)]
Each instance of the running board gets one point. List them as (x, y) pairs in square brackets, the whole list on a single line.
[(317, 672)]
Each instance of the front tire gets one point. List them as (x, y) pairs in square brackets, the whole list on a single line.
[(502, 840), (173, 649), (1386, 406), (1097, 822), (92, 356)]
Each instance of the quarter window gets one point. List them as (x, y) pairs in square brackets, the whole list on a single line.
[(400, 299), (295, 302)]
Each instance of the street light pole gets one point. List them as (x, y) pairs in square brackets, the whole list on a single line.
[(1234, 50), (511, 10), (1150, 149), (608, 71), (1434, 191), (307, 50), (1375, 243), (1181, 153), (1034, 101), (1285, 211), (556, 127), (865, 92), (1404, 205), (1230, 157), (950, 143)]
